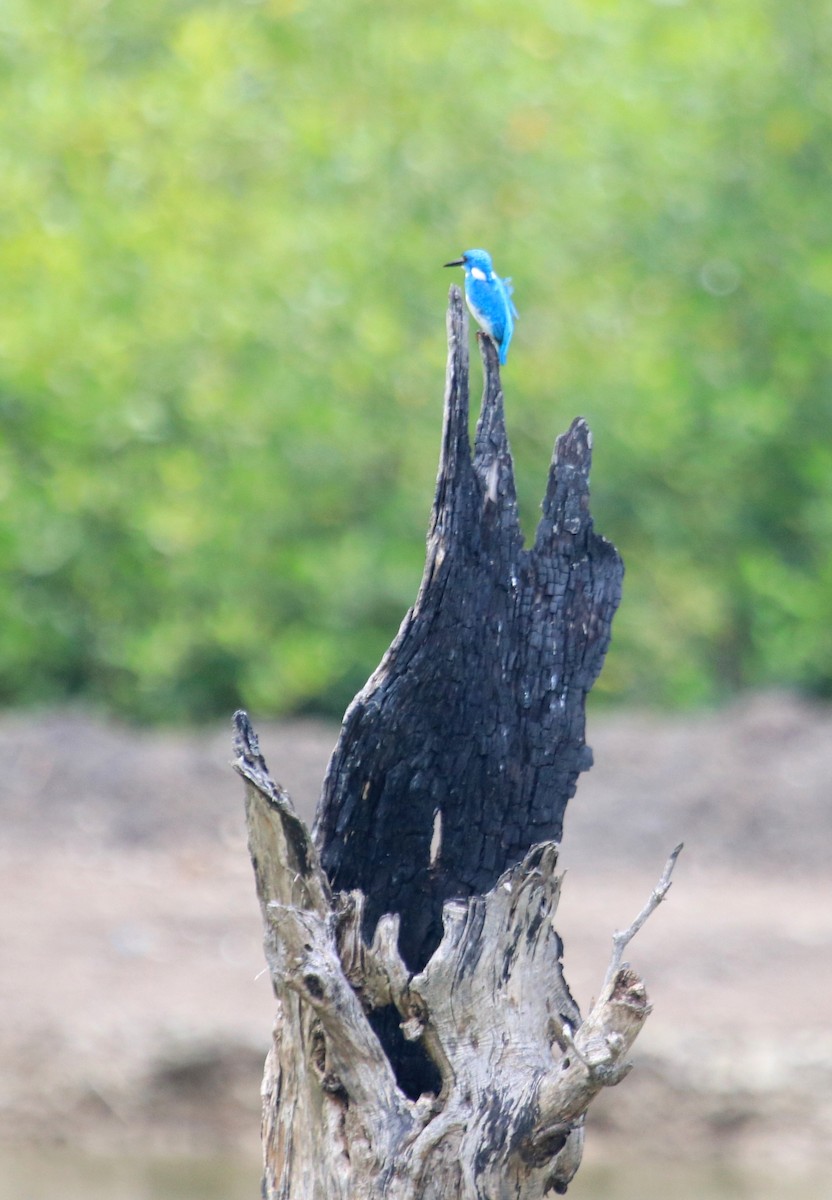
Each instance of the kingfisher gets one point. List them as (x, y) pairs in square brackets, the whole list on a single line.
[(488, 297)]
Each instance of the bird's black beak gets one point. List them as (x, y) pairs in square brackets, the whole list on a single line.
[(458, 262)]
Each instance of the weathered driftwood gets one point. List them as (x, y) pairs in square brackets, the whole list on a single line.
[(426, 1044), (518, 1066)]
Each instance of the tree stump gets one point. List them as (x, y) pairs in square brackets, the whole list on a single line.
[(426, 1044)]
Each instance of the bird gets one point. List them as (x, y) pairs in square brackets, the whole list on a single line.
[(488, 297)]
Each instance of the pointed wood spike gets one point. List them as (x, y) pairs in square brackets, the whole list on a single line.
[(565, 506), (250, 763), (455, 456), (492, 453), (284, 857)]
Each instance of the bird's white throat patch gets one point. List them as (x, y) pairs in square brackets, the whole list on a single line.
[(478, 274)]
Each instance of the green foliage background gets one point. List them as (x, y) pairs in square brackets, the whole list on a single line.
[(222, 329)]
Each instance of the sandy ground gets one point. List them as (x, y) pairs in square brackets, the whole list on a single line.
[(134, 1013)]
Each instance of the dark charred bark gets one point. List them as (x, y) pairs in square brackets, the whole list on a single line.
[(464, 747)]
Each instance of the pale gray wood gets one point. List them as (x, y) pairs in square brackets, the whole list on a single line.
[(519, 1066)]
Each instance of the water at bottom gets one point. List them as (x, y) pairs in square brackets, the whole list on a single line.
[(47, 1175)]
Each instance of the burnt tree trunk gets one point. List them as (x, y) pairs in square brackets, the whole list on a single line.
[(426, 1043), (464, 747)]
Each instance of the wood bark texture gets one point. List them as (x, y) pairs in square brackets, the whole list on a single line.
[(426, 1044), (518, 1067), (465, 745)]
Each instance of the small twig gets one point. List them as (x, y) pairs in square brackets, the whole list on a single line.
[(607, 1070), (622, 938), (566, 1037)]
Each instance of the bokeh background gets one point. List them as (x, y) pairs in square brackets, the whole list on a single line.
[(222, 345)]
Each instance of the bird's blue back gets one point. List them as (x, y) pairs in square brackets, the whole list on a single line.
[(489, 298)]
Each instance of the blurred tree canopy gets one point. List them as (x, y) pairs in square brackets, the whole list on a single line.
[(222, 338)]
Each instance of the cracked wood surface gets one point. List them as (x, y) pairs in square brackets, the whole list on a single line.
[(465, 745), (491, 1008)]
